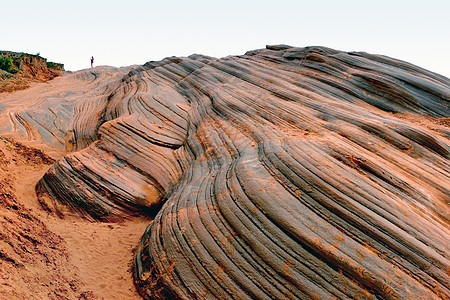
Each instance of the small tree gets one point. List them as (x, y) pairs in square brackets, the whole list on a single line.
[(5, 63)]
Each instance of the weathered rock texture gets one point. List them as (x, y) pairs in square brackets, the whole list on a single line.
[(285, 172)]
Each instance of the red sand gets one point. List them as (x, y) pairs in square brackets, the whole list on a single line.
[(44, 256)]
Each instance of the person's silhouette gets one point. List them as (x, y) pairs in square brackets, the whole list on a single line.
[(92, 61)]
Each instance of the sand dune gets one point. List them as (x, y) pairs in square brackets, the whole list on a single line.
[(286, 172)]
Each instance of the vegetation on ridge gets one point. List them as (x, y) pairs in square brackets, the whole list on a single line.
[(6, 63)]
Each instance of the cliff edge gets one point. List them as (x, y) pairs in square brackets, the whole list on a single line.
[(29, 68)]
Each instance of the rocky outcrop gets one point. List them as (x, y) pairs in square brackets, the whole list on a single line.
[(55, 66), (23, 61), (5, 75), (282, 173), (300, 185), (30, 68)]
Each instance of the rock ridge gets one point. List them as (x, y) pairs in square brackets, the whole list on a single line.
[(283, 173)]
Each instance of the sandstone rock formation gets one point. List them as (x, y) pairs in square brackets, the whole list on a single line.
[(283, 173)]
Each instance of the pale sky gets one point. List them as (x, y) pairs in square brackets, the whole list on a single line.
[(127, 32)]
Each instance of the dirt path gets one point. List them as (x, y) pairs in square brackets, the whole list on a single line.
[(43, 256)]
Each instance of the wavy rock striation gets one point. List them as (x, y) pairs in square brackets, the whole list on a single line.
[(286, 172), (300, 185)]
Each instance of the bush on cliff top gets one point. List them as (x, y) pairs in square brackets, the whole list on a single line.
[(6, 63)]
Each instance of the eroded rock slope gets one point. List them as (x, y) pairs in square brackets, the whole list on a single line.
[(283, 173), (29, 69)]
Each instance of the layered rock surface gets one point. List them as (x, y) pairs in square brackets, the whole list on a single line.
[(283, 173)]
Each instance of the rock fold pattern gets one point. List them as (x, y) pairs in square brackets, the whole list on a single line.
[(301, 181), (284, 173)]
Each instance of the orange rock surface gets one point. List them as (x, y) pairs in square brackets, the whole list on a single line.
[(282, 173)]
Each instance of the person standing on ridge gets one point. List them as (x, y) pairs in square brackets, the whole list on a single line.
[(92, 61)]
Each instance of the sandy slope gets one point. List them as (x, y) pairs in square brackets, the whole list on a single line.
[(46, 257)]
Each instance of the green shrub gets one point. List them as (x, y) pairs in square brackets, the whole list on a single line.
[(5, 63)]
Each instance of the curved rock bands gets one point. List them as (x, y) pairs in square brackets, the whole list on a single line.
[(285, 172), (103, 176), (355, 248), (327, 205), (231, 214), (136, 158)]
